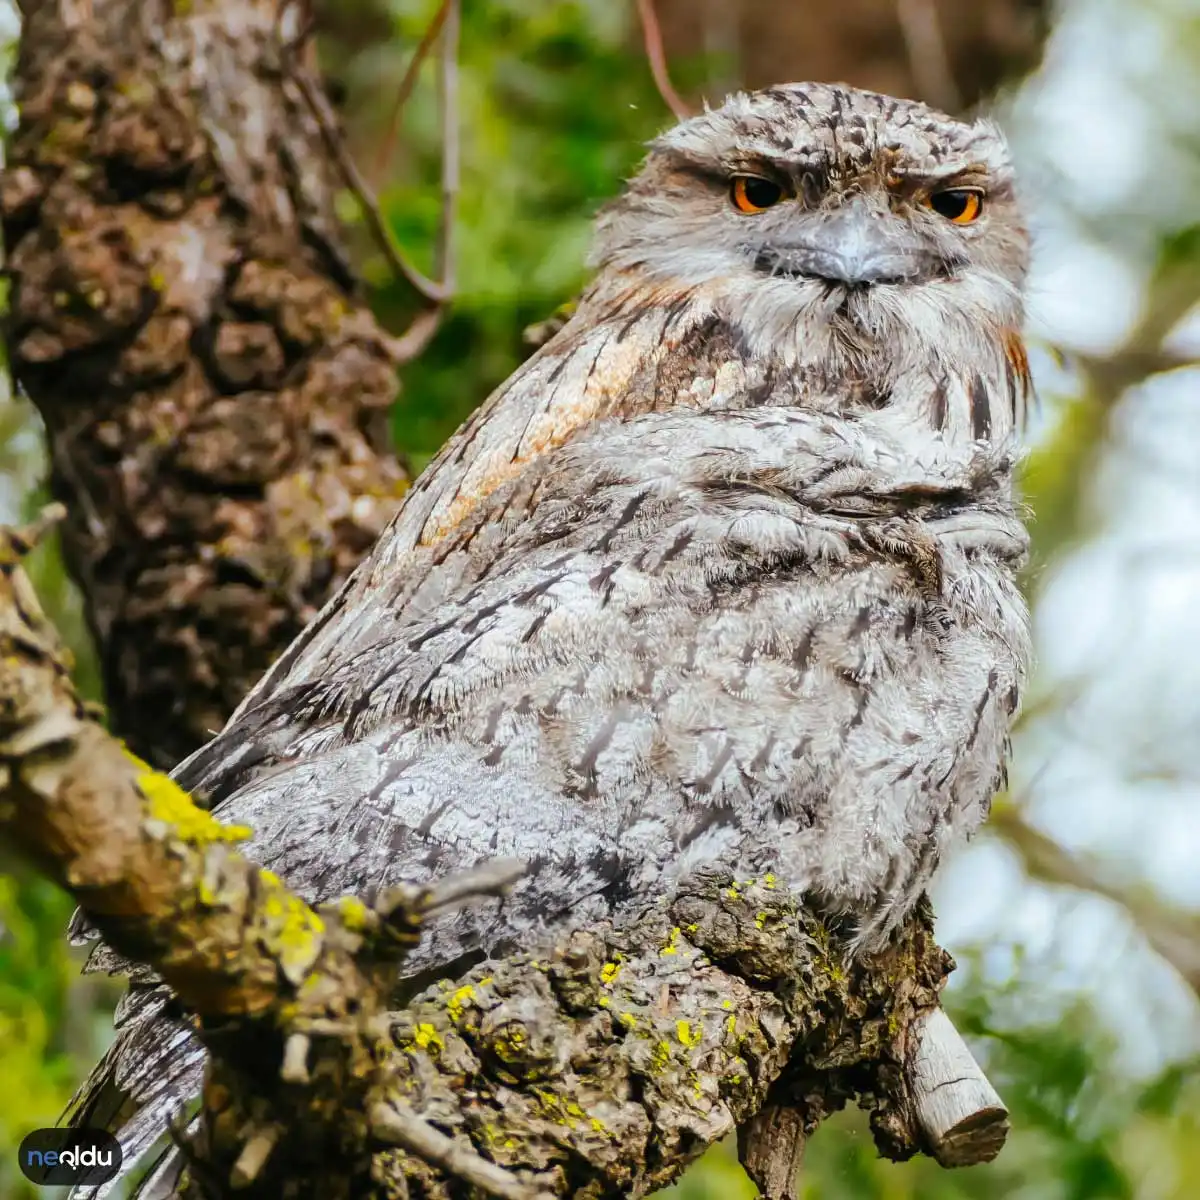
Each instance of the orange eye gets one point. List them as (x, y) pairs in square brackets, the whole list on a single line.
[(752, 193), (960, 205)]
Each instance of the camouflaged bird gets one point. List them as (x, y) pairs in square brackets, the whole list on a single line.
[(723, 574)]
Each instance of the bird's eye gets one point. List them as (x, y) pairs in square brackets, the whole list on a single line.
[(960, 205), (752, 193)]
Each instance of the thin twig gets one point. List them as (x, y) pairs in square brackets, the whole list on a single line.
[(407, 84), (295, 1059), (448, 104), (23, 541), (255, 1155), (431, 291), (417, 336), (180, 1130), (922, 33), (490, 879), (295, 41), (652, 35), (393, 1127)]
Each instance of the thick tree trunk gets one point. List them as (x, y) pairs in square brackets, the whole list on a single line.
[(214, 389)]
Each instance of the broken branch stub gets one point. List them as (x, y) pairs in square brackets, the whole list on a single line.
[(962, 1118)]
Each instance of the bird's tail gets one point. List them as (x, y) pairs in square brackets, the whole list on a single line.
[(145, 1085)]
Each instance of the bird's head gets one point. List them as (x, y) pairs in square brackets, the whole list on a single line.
[(820, 218)]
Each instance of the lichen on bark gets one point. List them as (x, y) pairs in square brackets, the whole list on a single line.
[(608, 1061)]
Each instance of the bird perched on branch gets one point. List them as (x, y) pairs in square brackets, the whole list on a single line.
[(723, 574)]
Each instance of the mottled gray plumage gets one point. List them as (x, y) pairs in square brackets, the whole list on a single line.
[(724, 573)]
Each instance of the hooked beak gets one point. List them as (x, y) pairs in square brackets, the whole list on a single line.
[(852, 247)]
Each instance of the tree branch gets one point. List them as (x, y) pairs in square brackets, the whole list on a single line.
[(183, 293), (1056, 473), (656, 56), (407, 83), (1056, 485), (433, 292), (1174, 933)]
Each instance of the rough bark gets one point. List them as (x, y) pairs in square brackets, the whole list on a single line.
[(597, 1065), (214, 389)]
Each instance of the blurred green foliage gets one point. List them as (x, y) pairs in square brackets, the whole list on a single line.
[(36, 974), (556, 102), (52, 1022)]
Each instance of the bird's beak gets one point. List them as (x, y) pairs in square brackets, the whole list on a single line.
[(856, 246)]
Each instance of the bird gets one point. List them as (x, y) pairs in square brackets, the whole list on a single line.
[(725, 573)]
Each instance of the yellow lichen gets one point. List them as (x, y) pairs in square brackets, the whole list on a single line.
[(687, 1035), (293, 929), (428, 1038), (672, 943), (760, 920), (511, 1044), (171, 806), (662, 1056), (609, 972), (456, 1003), (563, 1112), (353, 913)]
